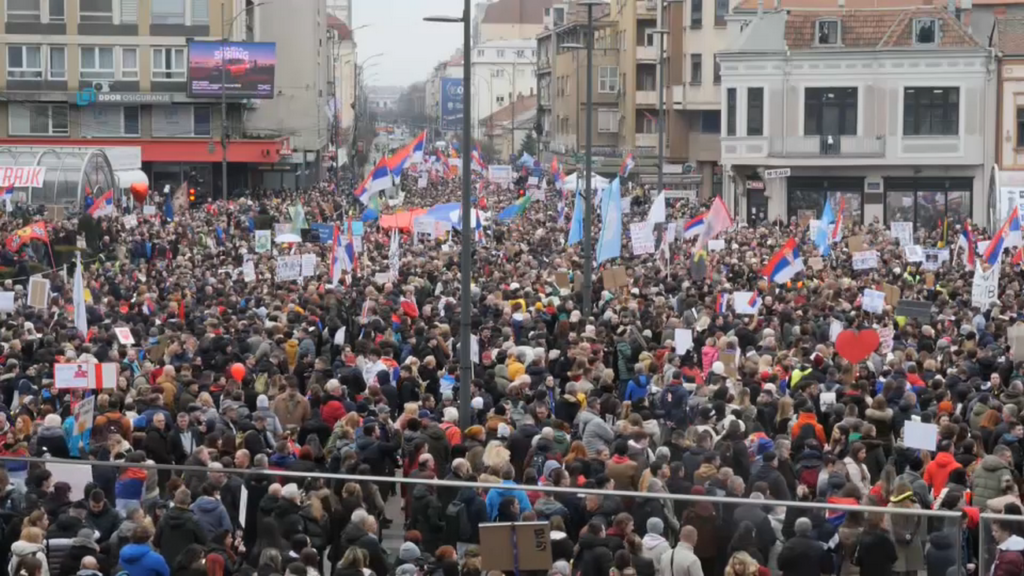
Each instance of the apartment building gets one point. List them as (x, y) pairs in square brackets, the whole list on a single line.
[(889, 111), (343, 80), (511, 20), (503, 71), (110, 73)]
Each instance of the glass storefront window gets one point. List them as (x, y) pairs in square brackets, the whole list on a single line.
[(813, 200), (930, 209), (899, 206), (928, 203)]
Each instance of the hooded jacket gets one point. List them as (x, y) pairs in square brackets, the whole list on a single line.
[(654, 546), (596, 433), (496, 495), (936, 474), (211, 515), (22, 549), (142, 560), (177, 529), (987, 481), (1009, 558)]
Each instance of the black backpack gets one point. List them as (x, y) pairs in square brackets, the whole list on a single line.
[(456, 523), (538, 462)]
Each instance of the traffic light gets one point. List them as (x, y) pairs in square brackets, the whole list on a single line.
[(522, 192), (191, 194)]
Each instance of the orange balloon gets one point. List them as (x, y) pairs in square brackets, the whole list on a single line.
[(139, 192), (237, 371)]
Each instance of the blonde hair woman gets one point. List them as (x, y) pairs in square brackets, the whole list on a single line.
[(29, 545), (496, 456)]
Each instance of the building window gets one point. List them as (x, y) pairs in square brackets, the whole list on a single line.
[(828, 32), (23, 11), (607, 120), (58, 63), (497, 72), (501, 53), (129, 11), (56, 10), (96, 11), (650, 124), (37, 119), (129, 63), (25, 62), (809, 197), (925, 31), (168, 12), (696, 64), (830, 112), (721, 11), (480, 53), (109, 121), (928, 203), (97, 63), (718, 70), (931, 111), (1020, 127), (730, 112), (696, 13), (168, 63), (202, 121), (755, 111), (200, 12), (608, 79), (500, 100), (520, 53), (710, 122)]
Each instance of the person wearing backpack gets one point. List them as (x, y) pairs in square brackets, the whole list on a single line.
[(639, 385), (462, 518)]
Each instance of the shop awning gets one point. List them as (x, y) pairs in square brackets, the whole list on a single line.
[(125, 178)]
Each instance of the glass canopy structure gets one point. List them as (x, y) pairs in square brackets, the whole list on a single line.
[(70, 173)]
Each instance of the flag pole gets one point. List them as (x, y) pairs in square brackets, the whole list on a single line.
[(53, 262)]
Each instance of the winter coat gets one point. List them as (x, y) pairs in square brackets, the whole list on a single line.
[(105, 521), (680, 561), (906, 534), (355, 535), (987, 481), (496, 495), (211, 515), (22, 549), (941, 553), (143, 560), (882, 421), (286, 516), (437, 446), (593, 556), (50, 440), (877, 553), (595, 432), (804, 556), (315, 529), (291, 410), (427, 517), (654, 547), (937, 473), (776, 483), (177, 529), (1010, 558)]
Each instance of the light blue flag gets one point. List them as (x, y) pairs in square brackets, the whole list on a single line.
[(576, 226), (828, 220), (610, 244)]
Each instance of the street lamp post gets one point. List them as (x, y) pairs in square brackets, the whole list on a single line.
[(466, 261), (588, 208), (661, 32)]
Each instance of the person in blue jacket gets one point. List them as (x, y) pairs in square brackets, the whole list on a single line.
[(140, 559), (638, 385), (496, 495)]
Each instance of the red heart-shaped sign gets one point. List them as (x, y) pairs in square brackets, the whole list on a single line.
[(856, 346)]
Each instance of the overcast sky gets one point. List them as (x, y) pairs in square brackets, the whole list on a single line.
[(411, 47)]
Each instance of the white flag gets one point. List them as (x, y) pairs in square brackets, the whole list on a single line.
[(657, 213), (78, 298)]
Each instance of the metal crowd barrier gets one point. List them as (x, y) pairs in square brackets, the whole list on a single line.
[(983, 530)]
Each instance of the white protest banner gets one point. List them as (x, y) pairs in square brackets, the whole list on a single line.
[(6, 301), (716, 244), (741, 303), (913, 253), (500, 174), (902, 231), (935, 258), (130, 221), (71, 375), (124, 335), (441, 228), (263, 241), (683, 339), (532, 181), (149, 210), (539, 194), (827, 400), (885, 336), (382, 278), (642, 236), (308, 265), (249, 271), (670, 232), (919, 435), (38, 292), (289, 268), (865, 260), (985, 290), (243, 504), (834, 328), (422, 181), (423, 225), (873, 301), (812, 228)]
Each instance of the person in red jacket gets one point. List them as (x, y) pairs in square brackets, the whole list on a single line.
[(936, 474), (333, 408), (807, 418), (1009, 548)]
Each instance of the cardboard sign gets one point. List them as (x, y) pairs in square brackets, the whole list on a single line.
[(308, 265), (84, 413), (71, 375), (729, 360), (614, 278), (528, 550), (913, 253), (856, 244), (935, 258), (892, 294), (920, 435), (7, 302), (289, 268), (865, 260), (716, 245), (124, 335), (873, 301), (985, 289), (38, 292), (885, 337), (642, 236), (149, 210), (562, 280), (741, 303), (249, 271), (130, 221), (929, 280), (902, 231), (816, 263)]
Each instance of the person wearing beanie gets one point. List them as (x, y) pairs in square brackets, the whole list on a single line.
[(654, 543), (50, 439)]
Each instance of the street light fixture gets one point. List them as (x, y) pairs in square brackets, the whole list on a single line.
[(588, 207), (661, 33), (466, 260)]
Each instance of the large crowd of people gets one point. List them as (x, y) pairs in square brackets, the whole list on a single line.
[(233, 369)]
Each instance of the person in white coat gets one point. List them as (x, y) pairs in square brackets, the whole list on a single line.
[(654, 544), (681, 561), (30, 544)]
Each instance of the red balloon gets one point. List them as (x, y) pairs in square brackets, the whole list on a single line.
[(139, 192), (237, 371)]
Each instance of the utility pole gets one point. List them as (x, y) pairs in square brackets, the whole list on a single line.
[(588, 206), (223, 103)]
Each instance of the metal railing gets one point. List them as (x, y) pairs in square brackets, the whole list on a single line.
[(984, 535)]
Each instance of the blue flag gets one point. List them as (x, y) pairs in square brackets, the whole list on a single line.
[(576, 226), (828, 220), (610, 243), (169, 208)]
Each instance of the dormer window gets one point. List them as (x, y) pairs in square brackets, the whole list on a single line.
[(828, 32), (926, 31)]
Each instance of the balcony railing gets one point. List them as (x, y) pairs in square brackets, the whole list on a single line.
[(646, 140), (646, 97), (827, 145), (646, 53)]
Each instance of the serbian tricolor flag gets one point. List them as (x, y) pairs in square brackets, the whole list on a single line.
[(103, 206), (478, 160), (1008, 233), (752, 302), (362, 191), (556, 173), (417, 148), (694, 227), (103, 376), (970, 246), (785, 264), (721, 301), (399, 160), (627, 165), (1018, 256)]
